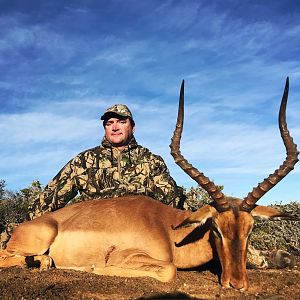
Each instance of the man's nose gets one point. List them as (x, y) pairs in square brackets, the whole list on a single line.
[(115, 127)]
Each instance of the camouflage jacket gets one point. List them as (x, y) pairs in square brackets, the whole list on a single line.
[(104, 172)]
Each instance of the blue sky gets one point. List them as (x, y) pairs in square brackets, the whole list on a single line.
[(64, 62)]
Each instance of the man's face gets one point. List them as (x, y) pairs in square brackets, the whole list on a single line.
[(118, 131)]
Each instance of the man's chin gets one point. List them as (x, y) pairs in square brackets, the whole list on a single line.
[(118, 144)]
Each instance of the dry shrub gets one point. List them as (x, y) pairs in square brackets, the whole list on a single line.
[(271, 235), (14, 205)]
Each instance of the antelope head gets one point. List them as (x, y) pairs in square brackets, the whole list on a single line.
[(232, 218)]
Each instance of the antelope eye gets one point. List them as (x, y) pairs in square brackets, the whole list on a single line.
[(216, 232)]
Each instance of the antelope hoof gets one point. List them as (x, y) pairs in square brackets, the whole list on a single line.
[(46, 263)]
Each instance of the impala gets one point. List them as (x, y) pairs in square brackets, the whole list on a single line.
[(135, 236)]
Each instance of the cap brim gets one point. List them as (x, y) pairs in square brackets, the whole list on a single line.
[(109, 115)]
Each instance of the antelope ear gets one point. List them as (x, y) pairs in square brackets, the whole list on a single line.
[(198, 217), (272, 213)]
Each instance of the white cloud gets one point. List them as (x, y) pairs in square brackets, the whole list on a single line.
[(126, 54), (43, 127)]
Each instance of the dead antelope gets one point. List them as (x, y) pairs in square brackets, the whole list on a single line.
[(135, 236)]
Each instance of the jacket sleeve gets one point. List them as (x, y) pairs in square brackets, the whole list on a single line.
[(165, 188), (58, 192)]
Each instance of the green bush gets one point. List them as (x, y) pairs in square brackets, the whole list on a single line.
[(271, 235), (196, 197), (14, 205)]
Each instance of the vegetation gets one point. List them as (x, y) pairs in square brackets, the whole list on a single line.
[(271, 235), (266, 235), (14, 205)]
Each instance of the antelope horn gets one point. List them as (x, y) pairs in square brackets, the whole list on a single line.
[(208, 185), (287, 166)]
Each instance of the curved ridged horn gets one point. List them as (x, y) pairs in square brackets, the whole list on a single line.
[(288, 164), (208, 185)]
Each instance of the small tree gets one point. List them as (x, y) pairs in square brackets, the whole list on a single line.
[(2, 189), (14, 205), (196, 197), (31, 192)]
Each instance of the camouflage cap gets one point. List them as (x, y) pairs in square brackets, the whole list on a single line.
[(117, 109)]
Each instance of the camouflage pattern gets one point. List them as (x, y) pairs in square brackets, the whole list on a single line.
[(118, 109), (104, 172)]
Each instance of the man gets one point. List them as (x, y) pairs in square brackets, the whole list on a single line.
[(119, 166)]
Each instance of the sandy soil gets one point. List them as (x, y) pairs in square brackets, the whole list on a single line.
[(18, 283)]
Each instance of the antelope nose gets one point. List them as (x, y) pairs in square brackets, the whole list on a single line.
[(239, 284)]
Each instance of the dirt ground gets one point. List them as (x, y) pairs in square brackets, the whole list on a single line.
[(18, 283)]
